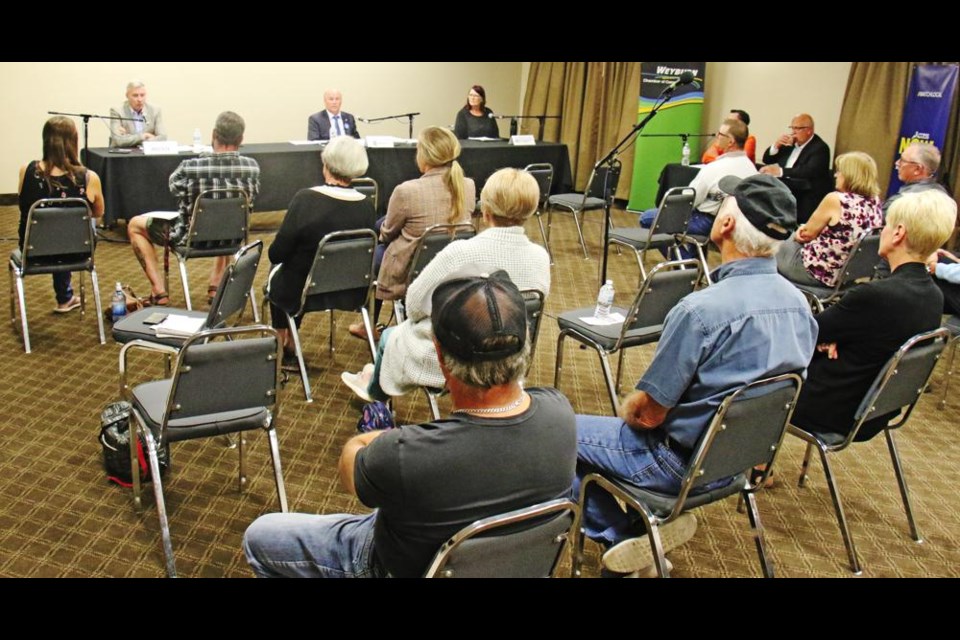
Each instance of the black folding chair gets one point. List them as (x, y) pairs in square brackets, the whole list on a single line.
[(601, 189), (859, 267), (435, 239), (668, 228), (543, 174)]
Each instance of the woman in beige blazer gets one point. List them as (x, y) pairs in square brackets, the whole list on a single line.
[(441, 195)]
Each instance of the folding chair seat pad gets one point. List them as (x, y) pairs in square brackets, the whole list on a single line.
[(132, 326), (150, 399), (661, 504), (574, 200), (636, 237), (607, 335)]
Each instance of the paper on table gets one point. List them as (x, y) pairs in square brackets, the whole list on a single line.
[(613, 318), (177, 326), (317, 142), (484, 139)]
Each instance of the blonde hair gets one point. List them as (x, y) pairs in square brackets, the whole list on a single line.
[(438, 147), (859, 173), (928, 218), (510, 196)]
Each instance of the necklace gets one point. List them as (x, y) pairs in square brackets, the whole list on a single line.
[(513, 405)]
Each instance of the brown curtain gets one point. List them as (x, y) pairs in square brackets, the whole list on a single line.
[(871, 114), (597, 102)]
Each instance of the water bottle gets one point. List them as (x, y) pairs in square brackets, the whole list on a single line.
[(605, 300), (197, 141), (685, 154), (118, 306)]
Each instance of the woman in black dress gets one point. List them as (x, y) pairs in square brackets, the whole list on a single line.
[(475, 120)]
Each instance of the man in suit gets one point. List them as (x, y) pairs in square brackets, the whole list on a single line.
[(142, 121), (802, 160), (331, 122)]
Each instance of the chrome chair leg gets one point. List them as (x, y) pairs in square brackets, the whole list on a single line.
[(368, 325), (558, 367), (620, 357), (841, 516), (184, 283), (161, 506), (299, 349), (97, 303), (608, 376), (333, 330), (949, 373), (806, 465), (83, 296), (757, 527), (656, 545), (583, 245), (242, 475), (23, 314), (432, 400), (253, 306), (543, 234), (902, 482), (277, 471)]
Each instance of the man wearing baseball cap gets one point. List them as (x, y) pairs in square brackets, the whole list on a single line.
[(751, 324), (503, 448)]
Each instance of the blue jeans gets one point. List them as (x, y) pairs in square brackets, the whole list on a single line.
[(62, 288), (641, 457), (700, 225), (303, 545)]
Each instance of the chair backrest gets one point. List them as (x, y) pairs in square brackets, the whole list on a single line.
[(901, 382), (234, 289), (434, 240), (747, 430), (220, 217), (368, 187), (534, 301), (57, 227), (543, 173), (674, 213), (217, 376), (343, 261), (526, 543), (665, 286), (862, 261), (603, 182)]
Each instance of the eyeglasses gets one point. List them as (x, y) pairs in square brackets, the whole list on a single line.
[(721, 134), (793, 128), (901, 161)]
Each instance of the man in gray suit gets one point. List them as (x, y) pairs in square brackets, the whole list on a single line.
[(331, 122), (143, 121)]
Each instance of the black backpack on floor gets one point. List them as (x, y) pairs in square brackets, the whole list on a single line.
[(115, 441)]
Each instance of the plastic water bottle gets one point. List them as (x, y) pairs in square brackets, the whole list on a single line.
[(118, 306), (605, 300), (685, 154), (198, 141)]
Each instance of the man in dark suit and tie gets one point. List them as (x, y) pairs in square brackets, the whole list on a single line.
[(802, 160), (331, 122)]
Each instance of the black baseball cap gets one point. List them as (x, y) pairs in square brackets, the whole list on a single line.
[(478, 319), (766, 202)]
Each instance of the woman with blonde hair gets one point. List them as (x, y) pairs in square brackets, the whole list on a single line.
[(818, 250), (442, 195), (58, 175)]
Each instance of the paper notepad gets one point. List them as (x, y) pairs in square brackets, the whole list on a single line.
[(613, 318), (175, 326)]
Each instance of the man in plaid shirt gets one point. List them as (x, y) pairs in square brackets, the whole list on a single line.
[(224, 168)]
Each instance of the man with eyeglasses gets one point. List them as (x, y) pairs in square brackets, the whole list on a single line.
[(916, 167), (802, 160)]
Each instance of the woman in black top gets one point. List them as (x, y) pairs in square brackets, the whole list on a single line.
[(313, 213), (475, 120), (58, 175)]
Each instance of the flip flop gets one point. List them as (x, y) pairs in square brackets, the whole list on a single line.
[(73, 304), (159, 300)]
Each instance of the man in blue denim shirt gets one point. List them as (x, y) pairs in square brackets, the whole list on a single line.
[(751, 324)]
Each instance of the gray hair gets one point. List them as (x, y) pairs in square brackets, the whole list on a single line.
[(491, 373), (927, 155), (229, 129), (746, 238), (345, 158), (135, 84)]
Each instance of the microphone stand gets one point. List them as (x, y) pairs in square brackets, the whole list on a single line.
[(611, 159), (409, 117), (86, 122), (513, 123)]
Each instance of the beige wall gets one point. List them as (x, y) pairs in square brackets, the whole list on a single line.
[(274, 98), (773, 92)]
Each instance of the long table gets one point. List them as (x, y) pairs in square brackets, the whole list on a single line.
[(134, 183)]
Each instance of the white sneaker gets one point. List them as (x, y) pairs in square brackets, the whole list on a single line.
[(635, 555), (358, 382)]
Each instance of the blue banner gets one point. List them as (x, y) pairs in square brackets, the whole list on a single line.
[(927, 110)]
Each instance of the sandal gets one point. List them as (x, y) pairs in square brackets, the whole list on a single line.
[(158, 299), (211, 293)]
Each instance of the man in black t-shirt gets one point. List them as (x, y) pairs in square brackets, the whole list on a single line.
[(503, 448)]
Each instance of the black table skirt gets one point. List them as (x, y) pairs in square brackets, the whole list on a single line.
[(134, 183)]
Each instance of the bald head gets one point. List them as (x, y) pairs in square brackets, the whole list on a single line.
[(802, 127)]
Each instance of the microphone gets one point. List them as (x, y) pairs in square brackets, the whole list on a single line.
[(363, 120), (492, 115), (685, 78)]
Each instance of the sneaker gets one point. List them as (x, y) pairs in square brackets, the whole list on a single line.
[(649, 572), (635, 555), (358, 382)]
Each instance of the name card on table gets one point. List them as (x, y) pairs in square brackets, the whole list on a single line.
[(380, 142), (523, 141), (160, 148)]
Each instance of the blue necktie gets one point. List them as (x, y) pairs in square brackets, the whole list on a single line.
[(336, 121)]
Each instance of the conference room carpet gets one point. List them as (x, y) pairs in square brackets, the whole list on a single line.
[(59, 516)]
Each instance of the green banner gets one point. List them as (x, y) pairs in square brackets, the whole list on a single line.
[(682, 113)]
